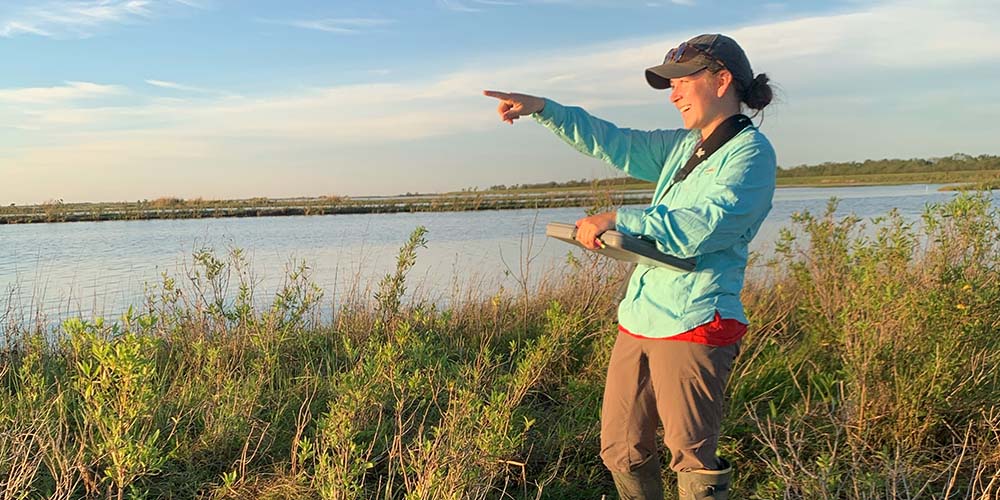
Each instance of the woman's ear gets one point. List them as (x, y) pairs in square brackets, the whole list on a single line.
[(724, 79)]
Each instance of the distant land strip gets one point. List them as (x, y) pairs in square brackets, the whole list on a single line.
[(963, 172)]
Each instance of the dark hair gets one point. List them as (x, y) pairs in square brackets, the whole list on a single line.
[(759, 94)]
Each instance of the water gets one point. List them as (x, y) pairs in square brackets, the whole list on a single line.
[(100, 268)]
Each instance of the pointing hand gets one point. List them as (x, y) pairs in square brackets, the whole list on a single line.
[(513, 106)]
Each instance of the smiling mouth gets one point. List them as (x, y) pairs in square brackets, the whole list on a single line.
[(685, 109)]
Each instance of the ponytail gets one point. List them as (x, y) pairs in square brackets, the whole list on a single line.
[(759, 94)]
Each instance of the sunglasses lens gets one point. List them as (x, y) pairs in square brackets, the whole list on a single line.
[(675, 55)]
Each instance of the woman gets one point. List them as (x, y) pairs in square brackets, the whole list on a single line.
[(679, 332)]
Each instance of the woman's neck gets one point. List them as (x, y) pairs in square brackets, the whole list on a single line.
[(726, 107), (707, 130)]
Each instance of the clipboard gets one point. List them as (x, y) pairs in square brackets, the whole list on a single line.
[(622, 247)]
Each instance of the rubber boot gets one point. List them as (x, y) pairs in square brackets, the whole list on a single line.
[(642, 483), (706, 484)]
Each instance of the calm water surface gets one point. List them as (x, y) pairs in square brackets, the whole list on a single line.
[(100, 268)]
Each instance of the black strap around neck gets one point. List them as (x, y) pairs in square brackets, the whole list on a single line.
[(721, 135)]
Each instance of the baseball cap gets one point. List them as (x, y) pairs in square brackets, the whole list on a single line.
[(713, 51)]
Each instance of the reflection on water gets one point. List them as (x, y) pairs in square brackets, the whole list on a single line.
[(100, 268)]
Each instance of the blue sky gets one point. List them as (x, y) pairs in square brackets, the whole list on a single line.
[(106, 100)]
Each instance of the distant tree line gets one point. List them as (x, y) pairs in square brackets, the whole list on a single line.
[(55, 209), (581, 183), (953, 163)]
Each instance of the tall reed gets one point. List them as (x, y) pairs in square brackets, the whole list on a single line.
[(868, 373)]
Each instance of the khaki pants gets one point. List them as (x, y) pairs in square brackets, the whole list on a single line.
[(676, 383)]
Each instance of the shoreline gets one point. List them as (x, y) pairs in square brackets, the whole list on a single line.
[(170, 208)]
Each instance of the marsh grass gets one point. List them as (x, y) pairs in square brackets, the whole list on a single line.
[(176, 208), (970, 173), (869, 372), (982, 185)]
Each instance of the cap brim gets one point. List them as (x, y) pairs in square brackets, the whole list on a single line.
[(659, 76)]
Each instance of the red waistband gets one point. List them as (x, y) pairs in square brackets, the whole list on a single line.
[(718, 332)]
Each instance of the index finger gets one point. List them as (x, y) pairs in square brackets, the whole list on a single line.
[(496, 94)]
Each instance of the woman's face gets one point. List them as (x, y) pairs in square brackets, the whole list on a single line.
[(697, 97)]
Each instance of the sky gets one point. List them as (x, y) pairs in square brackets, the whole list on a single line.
[(115, 100)]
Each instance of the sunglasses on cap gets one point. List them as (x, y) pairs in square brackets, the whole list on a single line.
[(685, 52)]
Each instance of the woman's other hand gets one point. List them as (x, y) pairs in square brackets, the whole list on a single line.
[(588, 229), (513, 106)]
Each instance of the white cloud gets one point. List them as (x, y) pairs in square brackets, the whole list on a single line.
[(82, 18), (457, 6), (605, 76), (343, 26), (178, 86), (69, 93), (482, 5), (837, 51), (803, 55), (601, 76), (11, 29)]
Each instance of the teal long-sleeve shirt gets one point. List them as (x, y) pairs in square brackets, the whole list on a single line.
[(711, 216)]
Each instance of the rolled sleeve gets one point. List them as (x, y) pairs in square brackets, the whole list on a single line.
[(629, 220)]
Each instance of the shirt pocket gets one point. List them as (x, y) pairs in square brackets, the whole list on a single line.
[(691, 191)]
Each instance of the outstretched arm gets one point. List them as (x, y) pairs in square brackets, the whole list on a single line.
[(640, 154)]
